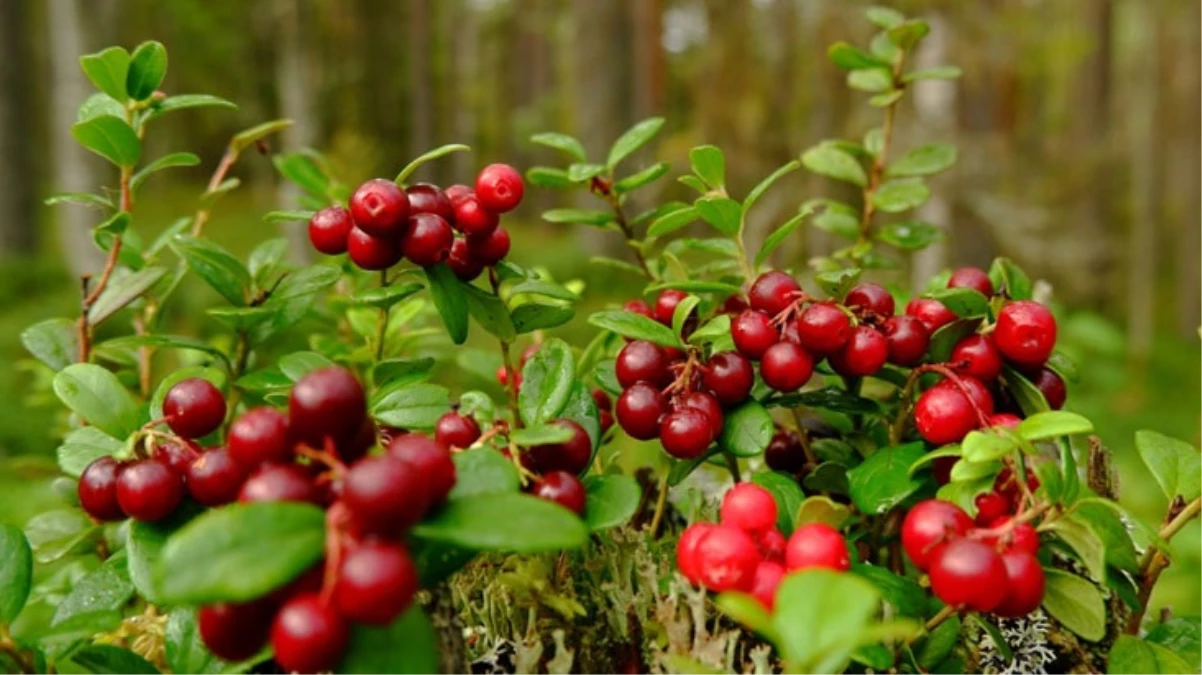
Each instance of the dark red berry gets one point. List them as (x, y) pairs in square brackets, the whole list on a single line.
[(771, 544), (730, 377), (385, 495), (562, 488), (817, 545), (971, 277), (639, 307), (606, 419), (329, 229), (214, 478), (768, 575), (427, 198), (1007, 484), (462, 263), (429, 240), (1024, 584), (990, 507), (177, 453), (373, 253), (572, 455), (785, 453), (327, 402), (686, 433), (709, 406), (753, 333), (928, 526), (279, 483), (932, 313), (869, 297), (749, 507), (977, 356), (686, 551), (823, 329), (665, 305), (456, 431), (863, 355), (149, 490), (786, 366), (1025, 333), (601, 398), (642, 361), (725, 559), (260, 435), (457, 192), (98, 489), (472, 219), (194, 407), (499, 187), (773, 292), (380, 208), (376, 583), (234, 632), (1051, 386), (1004, 420), (492, 249), (639, 410), (967, 572), (734, 304), (432, 460), (308, 635), (907, 339)]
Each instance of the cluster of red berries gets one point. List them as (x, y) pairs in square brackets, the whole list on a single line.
[(986, 566), (423, 223), (745, 552)]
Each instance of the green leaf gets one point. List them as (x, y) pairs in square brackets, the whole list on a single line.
[(82, 446), (582, 409), (831, 398), (924, 160), (562, 142), (820, 617), (762, 187), (1080, 536), (1182, 636), (611, 501), (248, 137), (1026, 394), (906, 596), (534, 316), (907, 35), (144, 543), (107, 71), (838, 223), (97, 396), (1116, 539), (938, 644), (778, 237), (682, 312), (1053, 423), (387, 296), (724, 213), (53, 342), (870, 79), (787, 494), (965, 303), (483, 471), (986, 446), (821, 509), (717, 328), (548, 177), (407, 645), (304, 169), (883, 480), (884, 17), (220, 269), (645, 177), (412, 406), (1076, 603), (449, 298), (836, 284), (709, 164), (544, 288), (1131, 656), (936, 73), (635, 326), (746, 610), (827, 160), (490, 312), (546, 382), (634, 138), (184, 101), (104, 589), (1176, 465), (828, 477), (581, 172), (104, 659), (240, 552), (394, 371), (579, 216), (886, 99), (747, 431), (16, 572), (147, 68), (848, 57), (909, 235), (672, 221), (184, 649), (165, 162), (80, 198), (507, 522), (53, 534), (902, 194), (1009, 279), (540, 435), (111, 138)]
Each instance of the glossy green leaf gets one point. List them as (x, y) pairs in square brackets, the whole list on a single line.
[(54, 342), (1076, 603), (579, 216), (102, 659), (746, 610), (632, 139), (747, 431), (411, 406), (562, 142), (901, 194), (1109, 527), (1009, 279), (830, 161), (548, 177), (393, 372), (848, 57), (248, 137), (908, 34), (1130, 655), (965, 303), (838, 223), (82, 446), (820, 617), (1176, 465), (924, 160), (483, 471), (709, 164), (724, 213), (635, 326), (107, 71), (831, 398), (871, 79), (111, 138), (672, 221), (165, 162), (936, 73), (534, 316), (185, 101), (909, 235), (16, 572), (490, 312), (1181, 635), (547, 380), (883, 480), (97, 396), (717, 328), (516, 523), (1081, 537), (449, 298), (762, 187), (407, 645), (642, 178), (183, 647), (147, 68), (581, 172), (787, 494), (906, 596), (218, 267), (986, 446), (611, 501), (387, 296), (778, 237), (540, 435), (1053, 423), (104, 589)]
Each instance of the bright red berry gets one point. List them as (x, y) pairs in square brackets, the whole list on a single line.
[(427, 198), (1025, 584), (329, 229), (929, 525), (1004, 420), (753, 333), (572, 455), (376, 583), (380, 208), (642, 361), (462, 263), (971, 277), (1025, 333), (772, 544), (492, 249), (817, 545), (215, 478), (432, 461), (457, 192), (194, 407), (729, 376), (308, 635), (260, 435), (864, 354), (1021, 537), (785, 453), (750, 507), (373, 253), (234, 632), (472, 218), (639, 307), (823, 328), (977, 356), (562, 488), (932, 313), (149, 490), (665, 305), (456, 431), (869, 297), (686, 433), (1051, 386), (279, 483), (786, 366), (385, 495), (725, 559), (967, 572), (686, 551), (990, 507), (768, 575), (429, 240), (944, 415), (639, 410), (907, 339), (327, 402), (98, 489), (773, 292), (499, 187), (708, 405)]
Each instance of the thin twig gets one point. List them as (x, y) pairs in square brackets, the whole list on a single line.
[(1154, 561), (511, 374), (732, 465), (382, 329), (661, 502), (878, 164), (605, 189), (202, 214)]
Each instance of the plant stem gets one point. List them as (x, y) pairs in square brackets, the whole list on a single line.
[(223, 167), (20, 657), (878, 164), (511, 374), (611, 198), (382, 329), (943, 615), (732, 465), (1154, 561), (661, 503)]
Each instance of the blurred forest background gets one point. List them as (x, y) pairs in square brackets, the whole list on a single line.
[(1077, 124)]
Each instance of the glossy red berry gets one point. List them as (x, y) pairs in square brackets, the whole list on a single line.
[(260, 435), (686, 433), (601, 398), (376, 583), (665, 305), (234, 632), (1004, 420), (943, 414), (686, 551), (786, 366), (773, 292), (432, 461), (753, 333), (98, 489), (729, 376), (708, 405), (823, 328), (771, 544), (907, 340), (1024, 584), (492, 249), (429, 240), (380, 208), (499, 187), (932, 313), (928, 526), (817, 545), (1025, 333), (572, 455), (864, 354), (456, 431), (427, 198), (969, 573), (750, 507), (327, 402), (373, 253), (642, 361), (639, 307), (309, 635), (194, 407), (472, 219), (971, 277), (177, 454), (385, 495), (639, 410), (785, 453), (977, 356), (1007, 484), (768, 575), (1051, 386), (869, 297), (734, 304), (562, 488), (725, 559), (990, 507), (329, 229), (149, 490), (462, 263), (1021, 537), (457, 191), (279, 483), (214, 478)]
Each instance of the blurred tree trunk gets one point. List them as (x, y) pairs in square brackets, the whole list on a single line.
[(1181, 59), (935, 110), (294, 75), (649, 68), (465, 36), (17, 189), (1145, 157), (1091, 122), (73, 169), (420, 100)]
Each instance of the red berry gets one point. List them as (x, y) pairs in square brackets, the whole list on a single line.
[(864, 354), (773, 292), (785, 453), (772, 544), (473, 219), (429, 240), (907, 339), (462, 263), (642, 361), (376, 583), (456, 431), (432, 461), (1051, 386), (279, 483), (967, 572), (457, 192), (572, 455), (990, 507), (705, 402), (308, 635), (786, 366), (373, 253), (492, 249), (260, 435), (686, 433), (750, 507), (562, 488), (944, 415), (872, 298), (977, 356), (1025, 333), (734, 304), (177, 454), (194, 408), (730, 377), (1007, 484), (971, 277), (149, 490), (932, 313), (817, 545), (665, 305), (1020, 537), (499, 187), (327, 402), (686, 551), (1004, 420), (639, 307), (529, 352), (601, 398), (214, 478), (768, 575), (1025, 584), (725, 559), (639, 410), (427, 198), (329, 229), (753, 333), (98, 489), (385, 495), (606, 419), (234, 632), (823, 328), (929, 525), (380, 208)]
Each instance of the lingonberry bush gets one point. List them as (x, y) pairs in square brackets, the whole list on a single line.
[(908, 493)]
